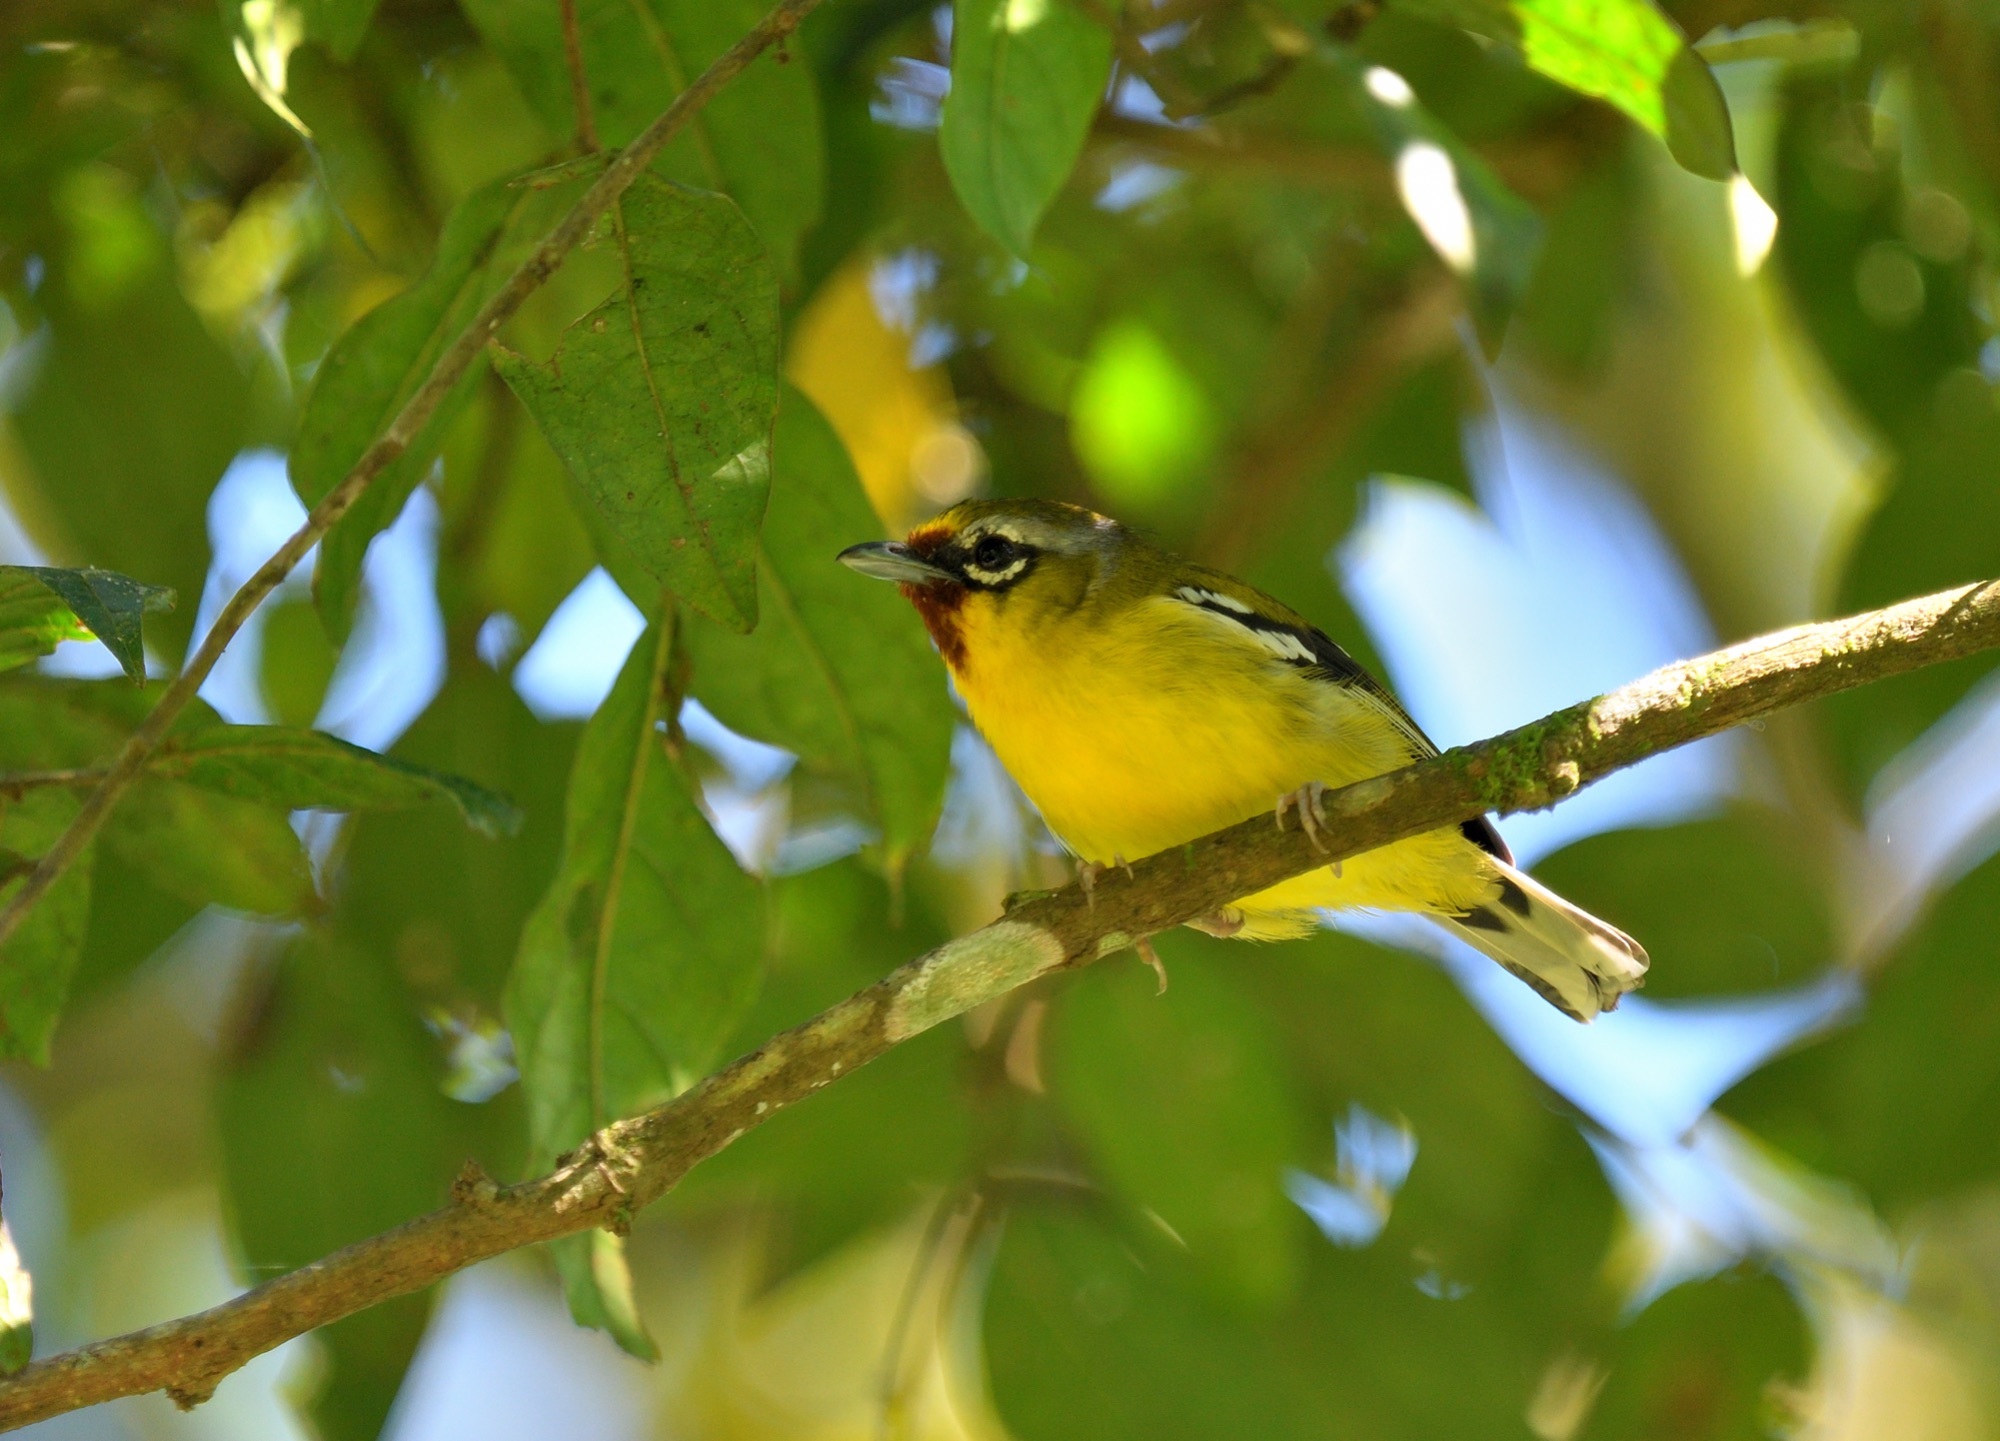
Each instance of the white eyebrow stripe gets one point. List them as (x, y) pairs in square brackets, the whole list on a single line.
[(1209, 599)]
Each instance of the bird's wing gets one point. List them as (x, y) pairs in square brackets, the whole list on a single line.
[(1292, 639)]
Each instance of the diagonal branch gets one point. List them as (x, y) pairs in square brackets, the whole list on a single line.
[(451, 366), (634, 1162)]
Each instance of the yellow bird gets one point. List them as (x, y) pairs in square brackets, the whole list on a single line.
[(1141, 700)]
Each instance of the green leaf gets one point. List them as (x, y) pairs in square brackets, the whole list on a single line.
[(1179, 1101), (644, 953), (37, 961), (298, 769), (41, 605), (129, 419), (213, 849), (333, 1128), (1731, 904), (757, 141), (839, 673), (1026, 79), (1905, 1102), (373, 370), (339, 24), (1624, 52), (662, 400), (17, 1307), (1477, 226)]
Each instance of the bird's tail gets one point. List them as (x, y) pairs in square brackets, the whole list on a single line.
[(1580, 964)]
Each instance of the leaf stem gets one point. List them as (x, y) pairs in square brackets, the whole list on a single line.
[(1525, 769), (451, 366), (579, 82)]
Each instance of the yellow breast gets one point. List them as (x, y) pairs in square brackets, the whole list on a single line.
[(1139, 730)]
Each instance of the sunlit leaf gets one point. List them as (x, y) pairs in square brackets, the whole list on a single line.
[(839, 673), (645, 951), (758, 140), (17, 1307), (1026, 78), (42, 605), (1625, 52), (299, 769), (1477, 226), (662, 400), (38, 959)]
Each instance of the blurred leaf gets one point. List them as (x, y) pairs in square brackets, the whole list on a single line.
[(838, 673), (1939, 527), (1183, 1106), (1700, 1364), (1477, 226), (1624, 52), (455, 936), (371, 373), (758, 140), (38, 959), (662, 400), (210, 848), (1725, 905), (645, 951), (298, 769), (134, 412), (17, 1307), (1026, 79), (333, 1128), (829, 1165), (296, 662), (1905, 1102), (40, 605), (339, 24)]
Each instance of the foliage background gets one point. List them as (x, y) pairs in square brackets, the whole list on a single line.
[(1591, 401)]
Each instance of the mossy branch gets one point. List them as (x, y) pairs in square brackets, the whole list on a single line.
[(636, 1161)]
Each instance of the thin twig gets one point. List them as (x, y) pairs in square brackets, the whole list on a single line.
[(1525, 769), (579, 83), (446, 373), (14, 783)]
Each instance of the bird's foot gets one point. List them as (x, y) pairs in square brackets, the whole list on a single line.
[(1151, 957), (1221, 924), (1123, 865), (1086, 877), (1306, 799)]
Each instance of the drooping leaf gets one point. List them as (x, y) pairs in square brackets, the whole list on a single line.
[(297, 769), (374, 369), (1026, 79), (662, 400), (213, 849), (638, 961), (42, 605), (839, 673), (757, 141), (333, 1127), (37, 961), (1624, 52)]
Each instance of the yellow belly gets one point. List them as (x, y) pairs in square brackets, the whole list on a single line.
[(1133, 736)]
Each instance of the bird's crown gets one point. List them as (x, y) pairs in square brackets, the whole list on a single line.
[(991, 544)]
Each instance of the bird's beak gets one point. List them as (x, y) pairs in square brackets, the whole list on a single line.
[(892, 560)]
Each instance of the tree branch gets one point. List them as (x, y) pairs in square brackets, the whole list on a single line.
[(634, 1162), (450, 368)]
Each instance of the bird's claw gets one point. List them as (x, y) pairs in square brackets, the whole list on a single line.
[(1086, 877), (1307, 800), (1151, 957)]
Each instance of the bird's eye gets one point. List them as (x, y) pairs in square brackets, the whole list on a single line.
[(992, 552)]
